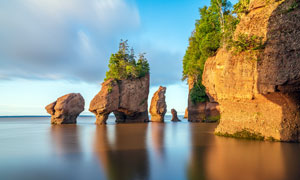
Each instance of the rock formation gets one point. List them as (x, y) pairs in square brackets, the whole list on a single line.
[(66, 109), (202, 111), (158, 106), (186, 113), (174, 115), (127, 99), (258, 90)]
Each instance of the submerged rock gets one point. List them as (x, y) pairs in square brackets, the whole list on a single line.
[(174, 115), (158, 106), (127, 99), (66, 109), (259, 90)]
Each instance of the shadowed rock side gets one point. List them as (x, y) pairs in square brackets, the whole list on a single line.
[(202, 111), (258, 91), (174, 115), (66, 109), (158, 106), (127, 99), (186, 113)]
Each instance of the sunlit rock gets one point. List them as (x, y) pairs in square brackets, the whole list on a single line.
[(158, 106), (127, 99), (258, 90)]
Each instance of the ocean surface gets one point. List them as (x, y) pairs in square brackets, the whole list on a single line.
[(30, 148)]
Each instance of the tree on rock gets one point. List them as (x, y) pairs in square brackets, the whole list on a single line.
[(123, 65)]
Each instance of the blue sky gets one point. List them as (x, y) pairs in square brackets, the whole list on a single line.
[(49, 48)]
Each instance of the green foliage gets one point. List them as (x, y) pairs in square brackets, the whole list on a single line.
[(212, 119), (197, 93), (215, 26), (241, 8), (243, 134), (246, 42), (293, 6), (122, 65)]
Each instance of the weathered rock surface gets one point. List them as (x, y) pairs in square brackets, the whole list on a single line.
[(186, 113), (127, 99), (158, 106), (174, 115), (260, 91), (202, 111), (66, 109)]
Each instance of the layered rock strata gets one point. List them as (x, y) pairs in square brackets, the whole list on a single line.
[(258, 90)]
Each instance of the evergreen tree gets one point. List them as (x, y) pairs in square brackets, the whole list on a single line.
[(122, 65)]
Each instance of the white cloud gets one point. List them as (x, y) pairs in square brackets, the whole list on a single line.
[(69, 38)]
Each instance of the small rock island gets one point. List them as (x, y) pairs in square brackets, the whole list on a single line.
[(125, 89), (158, 106), (174, 116), (66, 109)]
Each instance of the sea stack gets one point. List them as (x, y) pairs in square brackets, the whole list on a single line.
[(158, 106), (127, 99), (186, 113), (174, 116), (66, 109), (259, 90)]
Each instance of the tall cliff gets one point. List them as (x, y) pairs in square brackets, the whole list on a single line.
[(259, 90), (127, 99)]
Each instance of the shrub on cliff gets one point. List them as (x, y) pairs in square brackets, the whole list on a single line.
[(123, 65), (215, 27)]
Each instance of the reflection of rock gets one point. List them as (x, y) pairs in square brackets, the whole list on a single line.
[(158, 106), (122, 151), (127, 99), (174, 115), (202, 111), (65, 139), (254, 160), (186, 114), (158, 135), (258, 91), (66, 109)]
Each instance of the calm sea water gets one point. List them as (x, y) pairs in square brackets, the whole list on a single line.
[(30, 148)]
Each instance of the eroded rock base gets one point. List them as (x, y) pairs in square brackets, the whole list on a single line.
[(273, 116)]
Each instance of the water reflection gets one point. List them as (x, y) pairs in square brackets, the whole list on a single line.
[(157, 138), (65, 139), (138, 151), (124, 156), (221, 158)]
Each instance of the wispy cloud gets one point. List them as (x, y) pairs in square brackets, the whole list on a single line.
[(71, 39)]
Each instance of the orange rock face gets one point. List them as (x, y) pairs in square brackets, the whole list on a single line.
[(158, 106), (127, 99), (258, 90), (66, 109)]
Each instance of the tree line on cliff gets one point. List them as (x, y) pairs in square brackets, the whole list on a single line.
[(213, 30)]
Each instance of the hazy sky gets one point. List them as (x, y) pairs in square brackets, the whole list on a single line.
[(49, 48)]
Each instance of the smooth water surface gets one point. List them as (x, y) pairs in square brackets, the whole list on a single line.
[(30, 148)]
